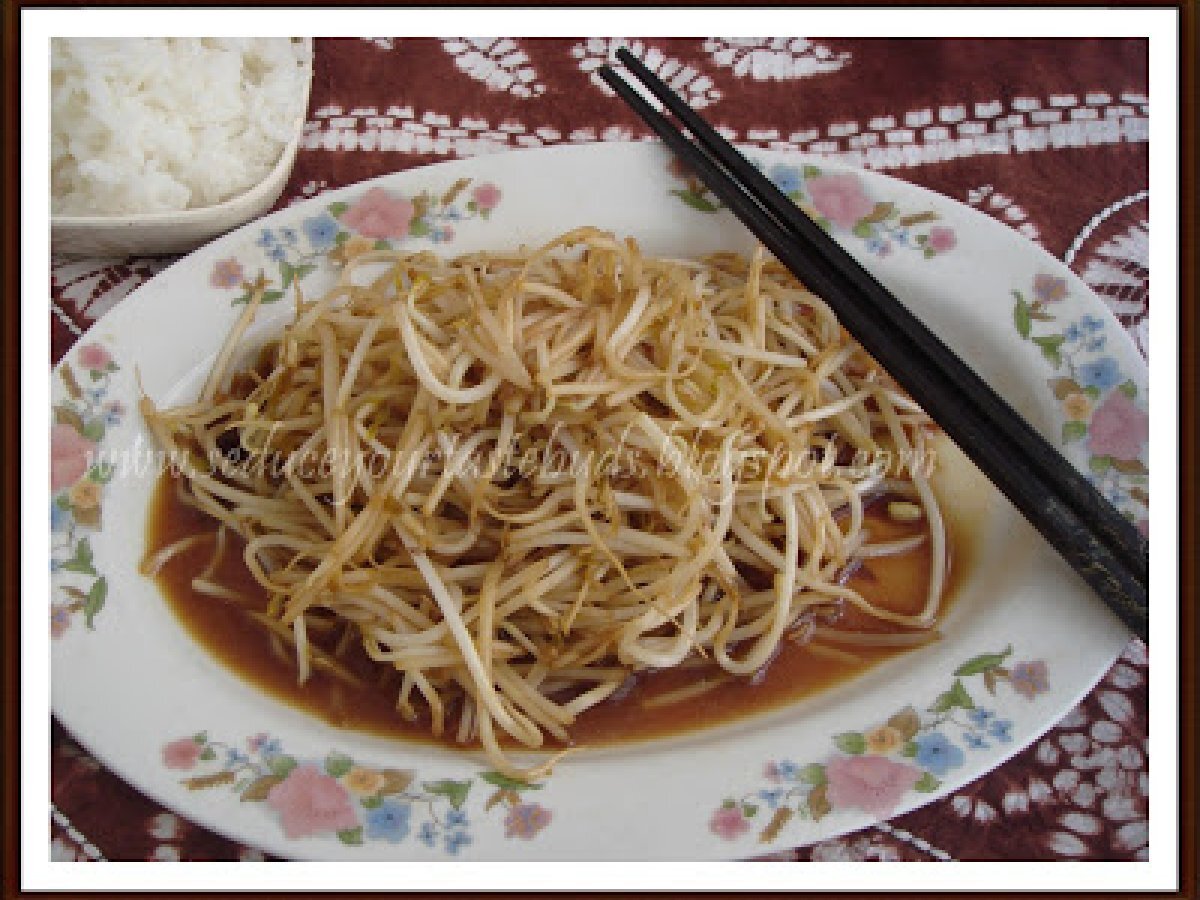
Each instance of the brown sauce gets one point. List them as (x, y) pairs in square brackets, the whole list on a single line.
[(225, 631)]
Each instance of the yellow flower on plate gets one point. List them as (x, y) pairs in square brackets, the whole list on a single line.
[(1077, 406), (362, 781), (883, 739), (85, 494), (353, 247)]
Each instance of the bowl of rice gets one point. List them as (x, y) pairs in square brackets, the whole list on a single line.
[(159, 145)]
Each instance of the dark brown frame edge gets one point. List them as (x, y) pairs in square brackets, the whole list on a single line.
[(1189, 811)]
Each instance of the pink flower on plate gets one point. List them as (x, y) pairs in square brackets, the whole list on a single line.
[(486, 196), (309, 802), (941, 239), (1030, 678), (525, 820), (728, 822), (1119, 428), (840, 198), (181, 754), (379, 215), (1049, 289), (227, 273), (60, 619), (873, 784), (94, 357), (70, 456)]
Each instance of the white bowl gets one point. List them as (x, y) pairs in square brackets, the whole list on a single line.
[(167, 233)]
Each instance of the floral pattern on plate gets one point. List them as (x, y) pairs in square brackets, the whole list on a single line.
[(78, 474), (357, 802), (838, 200), (377, 220), (1101, 405), (874, 769)]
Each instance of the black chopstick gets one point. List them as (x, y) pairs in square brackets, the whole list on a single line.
[(1114, 529), (1115, 567)]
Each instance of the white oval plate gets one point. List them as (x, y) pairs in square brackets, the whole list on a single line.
[(1023, 642)]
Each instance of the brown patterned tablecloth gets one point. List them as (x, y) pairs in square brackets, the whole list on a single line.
[(1048, 136)]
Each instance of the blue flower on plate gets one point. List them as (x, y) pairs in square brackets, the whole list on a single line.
[(60, 516), (788, 770), (1095, 345), (289, 234), (456, 840), (938, 753), (427, 834), (974, 741), (1116, 496), (389, 821), (266, 239), (786, 178), (456, 818), (1102, 373), (771, 798), (1001, 730), (278, 253), (1091, 323), (235, 757), (900, 236), (979, 716), (1073, 332), (321, 231)]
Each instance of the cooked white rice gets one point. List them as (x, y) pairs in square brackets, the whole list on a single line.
[(157, 124)]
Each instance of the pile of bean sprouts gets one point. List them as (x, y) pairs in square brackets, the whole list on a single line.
[(376, 460)]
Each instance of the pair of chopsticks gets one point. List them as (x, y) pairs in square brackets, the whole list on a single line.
[(1100, 544)]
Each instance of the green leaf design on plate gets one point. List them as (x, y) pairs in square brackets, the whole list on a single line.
[(1100, 464), (272, 296), (200, 737), (749, 810), (813, 773), (862, 229), (851, 742), (881, 211), (454, 791), (918, 219), (208, 753), (957, 696), (909, 749), (257, 790), (95, 601), (695, 201), (338, 764), (512, 784), (1021, 317), (1073, 431), (983, 662), (351, 836), (927, 783), (372, 802), (810, 171), (337, 208), (81, 561), (1050, 344), (418, 228), (94, 431), (281, 766), (1128, 388)]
